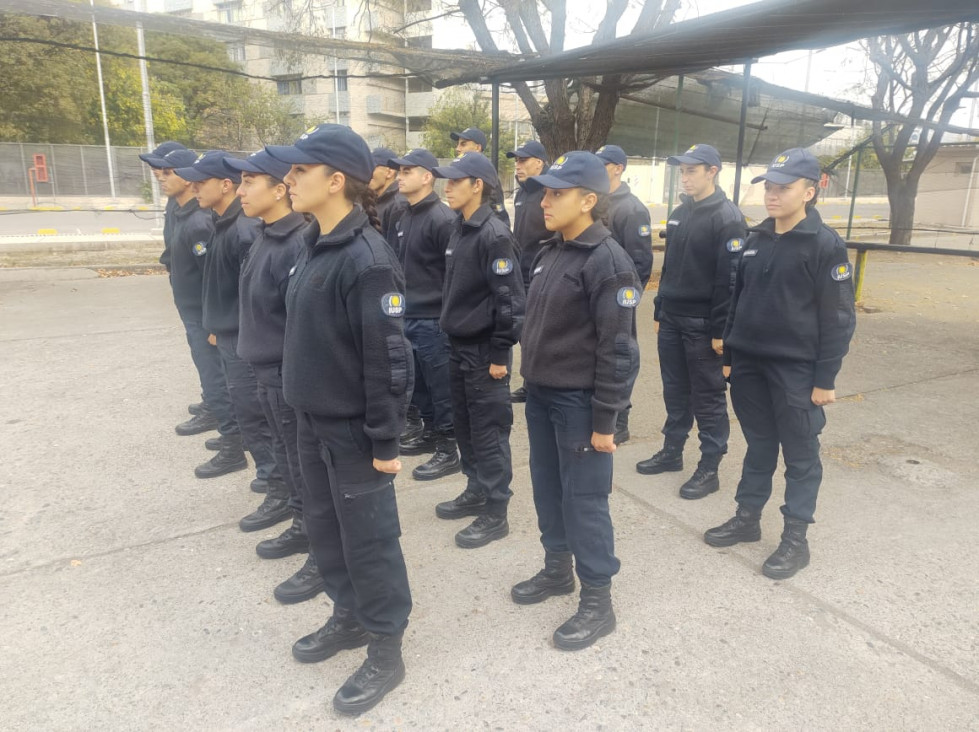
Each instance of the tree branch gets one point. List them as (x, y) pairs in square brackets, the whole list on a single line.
[(613, 13)]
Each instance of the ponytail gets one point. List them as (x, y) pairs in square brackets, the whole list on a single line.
[(601, 210), (811, 204), (359, 192)]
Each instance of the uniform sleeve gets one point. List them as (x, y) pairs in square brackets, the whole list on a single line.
[(637, 239), (613, 301), (284, 264), (837, 314), (200, 230), (376, 312), (507, 290), (732, 308), (729, 242)]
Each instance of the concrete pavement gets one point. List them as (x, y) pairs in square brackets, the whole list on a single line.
[(130, 599)]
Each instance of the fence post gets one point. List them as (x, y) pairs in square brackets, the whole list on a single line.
[(853, 196), (23, 167), (81, 158), (54, 174)]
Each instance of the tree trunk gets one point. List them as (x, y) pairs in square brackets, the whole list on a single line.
[(901, 197)]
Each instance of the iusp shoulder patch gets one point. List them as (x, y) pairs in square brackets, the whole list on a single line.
[(735, 245), (200, 249), (644, 230), (841, 272), (498, 207), (628, 297), (502, 266), (393, 304)]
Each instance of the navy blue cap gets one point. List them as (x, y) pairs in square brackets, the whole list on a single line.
[(381, 155), (209, 164), (790, 166), (177, 159), (530, 149), (470, 133), (155, 156), (576, 169), (612, 154), (419, 157), (335, 145), (469, 165), (259, 162), (697, 155)]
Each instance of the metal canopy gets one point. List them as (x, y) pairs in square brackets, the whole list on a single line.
[(737, 36)]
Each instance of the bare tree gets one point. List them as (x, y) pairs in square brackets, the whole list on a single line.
[(577, 113), (923, 76)]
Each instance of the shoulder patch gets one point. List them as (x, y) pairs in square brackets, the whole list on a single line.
[(644, 230), (502, 266), (841, 272), (497, 207), (200, 249), (735, 245), (393, 304), (628, 297)]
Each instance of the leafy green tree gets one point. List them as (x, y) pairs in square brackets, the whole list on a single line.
[(456, 110)]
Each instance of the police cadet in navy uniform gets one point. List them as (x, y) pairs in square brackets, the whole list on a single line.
[(347, 371), (528, 217), (789, 326), (473, 139), (154, 159), (261, 332), (214, 186), (420, 237), (630, 225), (579, 350), (704, 239), (482, 312), (191, 231), (384, 183)]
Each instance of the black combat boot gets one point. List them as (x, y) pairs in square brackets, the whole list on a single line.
[(229, 459), (342, 632), (259, 485), (621, 427), (744, 527), (518, 396), (203, 422), (467, 503), (444, 462), (703, 482), (198, 408), (792, 553), (273, 509), (556, 578), (488, 527), (291, 541), (667, 460), (414, 425), (383, 670), (422, 443), (304, 585), (594, 619), (216, 443)]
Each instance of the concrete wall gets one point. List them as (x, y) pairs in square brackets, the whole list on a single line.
[(948, 194)]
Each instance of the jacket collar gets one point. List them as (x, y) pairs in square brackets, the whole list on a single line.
[(230, 214), (714, 199), (390, 192), (187, 209), (809, 226), (480, 217), (345, 232), (427, 201), (589, 238), (284, 227), (622, 191)]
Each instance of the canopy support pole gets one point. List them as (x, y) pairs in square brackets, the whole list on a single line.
[(745, 97), (495, 146), (676, 143)]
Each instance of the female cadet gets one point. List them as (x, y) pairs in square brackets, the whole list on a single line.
[(262, 327), (347, 371), (579, 350), (788, 328)]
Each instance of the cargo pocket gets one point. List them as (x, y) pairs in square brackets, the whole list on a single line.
[(804, 418), (590, 472), (398, 364), (370, 513)]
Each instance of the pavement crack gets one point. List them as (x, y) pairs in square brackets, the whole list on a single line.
[(157, 329)]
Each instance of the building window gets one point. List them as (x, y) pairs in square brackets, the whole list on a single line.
[(417, 85), (416, 124), (342, 80), (229, 12), (236, 52), (289, 85), (963, 168)]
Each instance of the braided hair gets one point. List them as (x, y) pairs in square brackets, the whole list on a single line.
[(357, 191)]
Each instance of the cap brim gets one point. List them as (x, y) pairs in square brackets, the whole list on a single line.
[(154, 161), (684, 160), (781, 179), (455, 136), (191, 175), (291, 154), (399, 162), (452, 173), (550, 181), (243, 166)]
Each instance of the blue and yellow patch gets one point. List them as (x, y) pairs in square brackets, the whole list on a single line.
[(502, 266), (200, 249), (735, 245), (628, 297), (644, 230), (393, 304), (841, 272)]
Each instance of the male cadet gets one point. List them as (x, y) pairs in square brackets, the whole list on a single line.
[(630, 225), (191, 231), (154, 159), (528, 217), (384, 183), (704, 238), (215, 187), (420, 237), (472, 139)]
